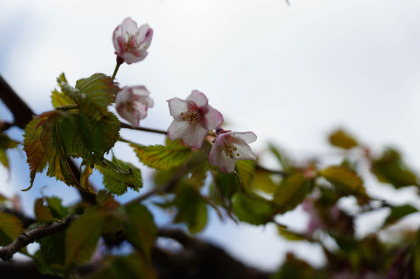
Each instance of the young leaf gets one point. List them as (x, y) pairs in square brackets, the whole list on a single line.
[(82, 237), (246, 171), (292, 191), (119, 176), (162, 157), (141, 228), (58, 99), (344, 179), (93, 94), (252, 209), (262, 181), (390, 168), (397, 213), (10, 228), (52, 253), (192, 209), (342, 139)]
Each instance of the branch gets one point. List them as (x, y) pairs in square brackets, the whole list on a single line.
[(124, 125), (7, 252)]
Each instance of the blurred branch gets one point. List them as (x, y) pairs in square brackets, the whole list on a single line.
[(156, 131)]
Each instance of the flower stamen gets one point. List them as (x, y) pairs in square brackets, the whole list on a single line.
[(192, 116)]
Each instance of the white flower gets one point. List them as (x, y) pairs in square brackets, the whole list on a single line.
[(193, 118), (229, 147), (131, 43)]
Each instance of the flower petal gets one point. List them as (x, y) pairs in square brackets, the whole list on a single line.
[(176, 106), (248, 137), (213, 118), (196, 136), (178, 129), (198, 98)]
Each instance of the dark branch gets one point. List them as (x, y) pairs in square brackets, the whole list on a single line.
[(7, 252), (156, 131)]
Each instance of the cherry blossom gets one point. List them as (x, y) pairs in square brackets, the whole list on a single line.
[(193, 118), (132, 103), (131, 43), (229, 147)]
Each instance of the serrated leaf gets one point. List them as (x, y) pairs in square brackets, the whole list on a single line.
[(52, 253), (246, 171), (56, 208), (390, 168), (58, 99), (344, 179), (397, 213), (162, 157), (10, 228), (342, 139), (82, 237), (192, 209), (141, 228), (83, 137), (43, 147), (292, 191), (42, 212), (118, 176), (252, 209)]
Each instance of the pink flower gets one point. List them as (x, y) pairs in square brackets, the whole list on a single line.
[(131, 43), (229, 147), (193, 118), (132, 103)]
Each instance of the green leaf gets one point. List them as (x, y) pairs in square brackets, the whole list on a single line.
[(118, 176), (192, 209), (252, 209), (162, 157), (290, 235), (141, 228), (292, 191), (42, 212), (56, 208), (280, 156), (83, 137), (52, 253), (93, 94), (262, 181), (344, 179), (342, 139), (397, 213), (10, 228), (390, 168), (82, 237)]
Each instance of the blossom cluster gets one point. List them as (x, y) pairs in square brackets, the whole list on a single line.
[(193, 118)]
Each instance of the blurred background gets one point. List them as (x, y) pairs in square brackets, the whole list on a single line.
[(289, 73)]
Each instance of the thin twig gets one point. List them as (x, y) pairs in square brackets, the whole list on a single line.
[(124, 125)]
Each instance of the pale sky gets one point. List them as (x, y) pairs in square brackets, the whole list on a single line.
[(291, 74)]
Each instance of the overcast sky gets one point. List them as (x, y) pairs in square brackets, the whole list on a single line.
[(290, 73)]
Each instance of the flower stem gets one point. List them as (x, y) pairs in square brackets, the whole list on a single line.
[(119, 62)]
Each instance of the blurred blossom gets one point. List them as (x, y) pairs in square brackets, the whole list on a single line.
[(132, 103)]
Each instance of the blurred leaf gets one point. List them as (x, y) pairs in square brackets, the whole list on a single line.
[(292, 191), (280, 156), (56, 208), (342, 139), (10, 228), (390, 168), (262, 181), (141, 228), (131, 266), (118, 176), (51, 253), (60, 99), (192, 209), (289, 235), (162, 157), (246, 171), (6, 143), (82, 237), (295, 268), (224, 185), (344, 179), (397, 213), (252, 209), (42, 212)]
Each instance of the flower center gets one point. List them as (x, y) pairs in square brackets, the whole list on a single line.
[(230, 150), (192, 116), (131, 43)]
